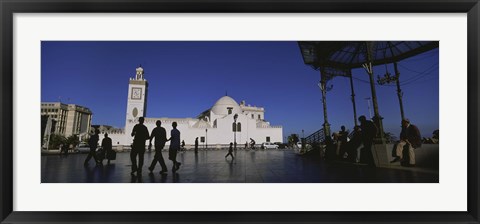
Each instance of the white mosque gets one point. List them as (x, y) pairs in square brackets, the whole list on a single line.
[(213, 127)]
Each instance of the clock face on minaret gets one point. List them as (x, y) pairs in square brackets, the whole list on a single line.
[(136, 93)]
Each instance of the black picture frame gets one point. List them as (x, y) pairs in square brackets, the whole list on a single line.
[(9, 7)]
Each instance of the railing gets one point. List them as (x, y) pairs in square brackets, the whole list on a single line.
[(316, 137)]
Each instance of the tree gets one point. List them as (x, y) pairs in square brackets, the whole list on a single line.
[(72, 140), (56, 140), (293, 139)]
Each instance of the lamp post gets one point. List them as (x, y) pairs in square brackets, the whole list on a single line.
[(323, 87), (303, 139), (235, 131), (206, 144)]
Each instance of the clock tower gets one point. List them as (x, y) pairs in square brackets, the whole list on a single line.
[(136, 99)]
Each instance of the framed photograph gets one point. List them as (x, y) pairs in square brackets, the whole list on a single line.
[(256, 112)]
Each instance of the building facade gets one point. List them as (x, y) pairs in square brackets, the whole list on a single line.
[(213, 127), (70, 119)]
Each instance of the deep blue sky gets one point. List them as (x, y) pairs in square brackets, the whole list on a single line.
[(186, 78)]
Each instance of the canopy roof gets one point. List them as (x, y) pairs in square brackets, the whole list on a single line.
[(345, 55)]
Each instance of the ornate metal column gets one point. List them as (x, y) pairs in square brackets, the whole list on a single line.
[(377, 119), (397, 77), (323, 88), (353, 98)]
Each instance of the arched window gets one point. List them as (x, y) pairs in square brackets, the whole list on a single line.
[(239, 127)]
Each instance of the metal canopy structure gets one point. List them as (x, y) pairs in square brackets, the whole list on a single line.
[(338, 58), (344, 55)]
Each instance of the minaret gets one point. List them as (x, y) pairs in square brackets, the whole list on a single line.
[(136, 99)]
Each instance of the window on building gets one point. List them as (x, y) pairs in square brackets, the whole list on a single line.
[(202, 139), (268, 139), (259, 117), (253, 116), (229, 110), (239, 127)]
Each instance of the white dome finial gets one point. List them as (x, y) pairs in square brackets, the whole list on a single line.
[(139, 74)]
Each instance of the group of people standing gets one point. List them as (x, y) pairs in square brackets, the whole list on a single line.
[(363, 135)]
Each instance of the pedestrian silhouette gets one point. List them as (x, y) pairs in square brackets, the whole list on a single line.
[(64, 150), (107, 147), (160, 135), (196, 145), (93, 143), (369, 131), (230, 150), (354, 145), (342, 139), (183, 145), (174, 147), (140, 134)]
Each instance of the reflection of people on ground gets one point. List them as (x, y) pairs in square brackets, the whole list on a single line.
[(160, 135), (369, 131), (140, 134), (246, 145), (174, 147), (230, 150), (93, 143), (107, 147), (196, 145), (410, 139)]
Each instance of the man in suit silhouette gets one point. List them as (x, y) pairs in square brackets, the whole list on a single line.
[(140, 134), (160, 135), (410, 139)]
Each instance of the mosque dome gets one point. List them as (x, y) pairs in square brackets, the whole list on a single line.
[(224, 104)]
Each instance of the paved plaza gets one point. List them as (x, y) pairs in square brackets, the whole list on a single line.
[(251, 166)]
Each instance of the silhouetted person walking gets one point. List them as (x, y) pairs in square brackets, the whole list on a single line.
[(230, 150), (183, 145), (107, 146), (196, 145), (369, 131), (160, 135), (174, 147), (140, 134), (93, 143)]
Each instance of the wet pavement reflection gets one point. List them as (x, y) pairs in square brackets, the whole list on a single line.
[(261, 166)]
